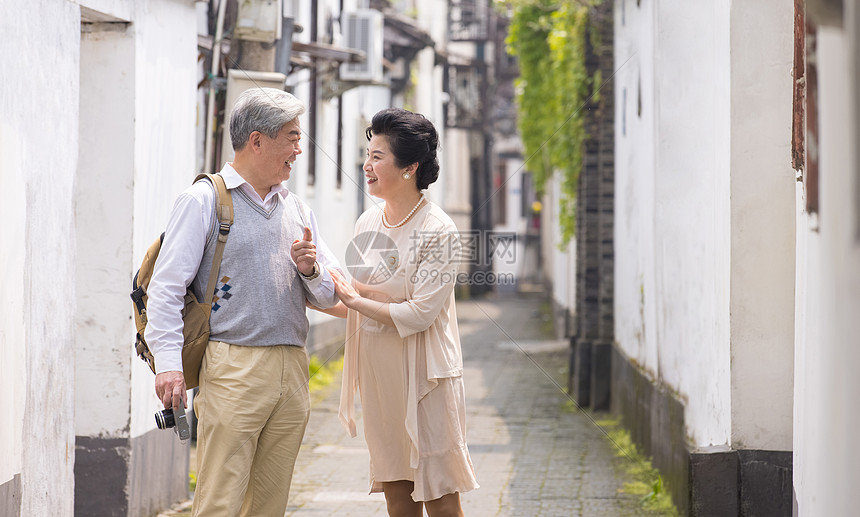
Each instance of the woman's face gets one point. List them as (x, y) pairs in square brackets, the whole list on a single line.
[(384, 177)]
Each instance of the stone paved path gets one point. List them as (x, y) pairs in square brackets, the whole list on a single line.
[(532, 457)]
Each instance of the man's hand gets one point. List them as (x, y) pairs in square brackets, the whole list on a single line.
[(304, 253), (170, 388)]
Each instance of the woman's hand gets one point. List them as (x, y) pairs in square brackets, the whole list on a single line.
[(373, 309), (343, 289)]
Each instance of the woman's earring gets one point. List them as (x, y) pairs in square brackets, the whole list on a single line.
[(406, 175)]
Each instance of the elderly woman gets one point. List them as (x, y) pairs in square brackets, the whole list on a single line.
[(403, 348)]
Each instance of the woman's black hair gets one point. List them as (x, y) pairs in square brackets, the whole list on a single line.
[(412, 139)]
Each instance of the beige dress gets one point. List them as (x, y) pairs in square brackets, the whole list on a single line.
[(409, 376)]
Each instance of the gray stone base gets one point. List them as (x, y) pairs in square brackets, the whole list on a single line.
[(714, 483), (703, 483), (766, 484), (655, 420), (580, 372), (10, 497), (601, 376), (130, 477), (101, 476), (590, 374)]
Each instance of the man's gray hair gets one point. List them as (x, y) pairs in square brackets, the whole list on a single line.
[(262, 109)]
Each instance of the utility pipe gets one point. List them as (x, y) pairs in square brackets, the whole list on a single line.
[(210, 111)]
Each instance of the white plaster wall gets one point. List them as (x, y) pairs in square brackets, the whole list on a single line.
[(557, 254), (827, 386), (810, 370), (634, 290), (762, 235), (457, 189), (165, 33), (671, 218), (13, 260), (103, 221), (38, 138), (691, 94)]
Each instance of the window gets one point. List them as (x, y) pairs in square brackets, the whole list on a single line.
[(464, 84), (468, 20)]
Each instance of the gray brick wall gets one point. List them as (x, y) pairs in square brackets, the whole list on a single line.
[(593, 334)]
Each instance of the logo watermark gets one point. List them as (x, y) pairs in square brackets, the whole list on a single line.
[(474, 278), (373, 258)]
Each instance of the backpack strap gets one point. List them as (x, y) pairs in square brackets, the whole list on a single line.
[(224, 210)]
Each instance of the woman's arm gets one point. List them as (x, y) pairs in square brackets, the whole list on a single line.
[(338, 311), (350, 298)]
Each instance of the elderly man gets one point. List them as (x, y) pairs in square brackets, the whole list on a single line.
[(253, 403)]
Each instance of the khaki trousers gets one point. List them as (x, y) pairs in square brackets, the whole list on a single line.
[(252, 409)]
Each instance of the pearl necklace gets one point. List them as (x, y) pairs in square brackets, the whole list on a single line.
[(405, 219)]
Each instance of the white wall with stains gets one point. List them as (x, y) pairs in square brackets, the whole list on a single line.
[(704, 213), (672, 217), (39, 139), (761, 309)]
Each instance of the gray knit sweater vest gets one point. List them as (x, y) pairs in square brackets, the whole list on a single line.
[(259, 298)]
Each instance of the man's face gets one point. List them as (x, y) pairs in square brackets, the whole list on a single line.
[(280, 152)]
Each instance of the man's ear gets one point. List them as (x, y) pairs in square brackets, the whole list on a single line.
[(255, 140)]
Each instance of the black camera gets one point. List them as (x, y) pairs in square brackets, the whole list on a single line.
[(176, 419)]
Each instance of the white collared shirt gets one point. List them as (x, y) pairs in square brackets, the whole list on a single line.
[(180, 256)]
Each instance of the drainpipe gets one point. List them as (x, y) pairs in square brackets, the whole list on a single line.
[(210, 111)]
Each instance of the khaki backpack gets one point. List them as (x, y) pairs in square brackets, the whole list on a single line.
[(195, 315)]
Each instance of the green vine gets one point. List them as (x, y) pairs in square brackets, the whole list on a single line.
[(548, 37)]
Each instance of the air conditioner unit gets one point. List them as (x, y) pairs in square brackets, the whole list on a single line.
[(362, 30)]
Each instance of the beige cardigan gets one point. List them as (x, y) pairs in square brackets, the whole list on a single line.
[(426, 320)]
